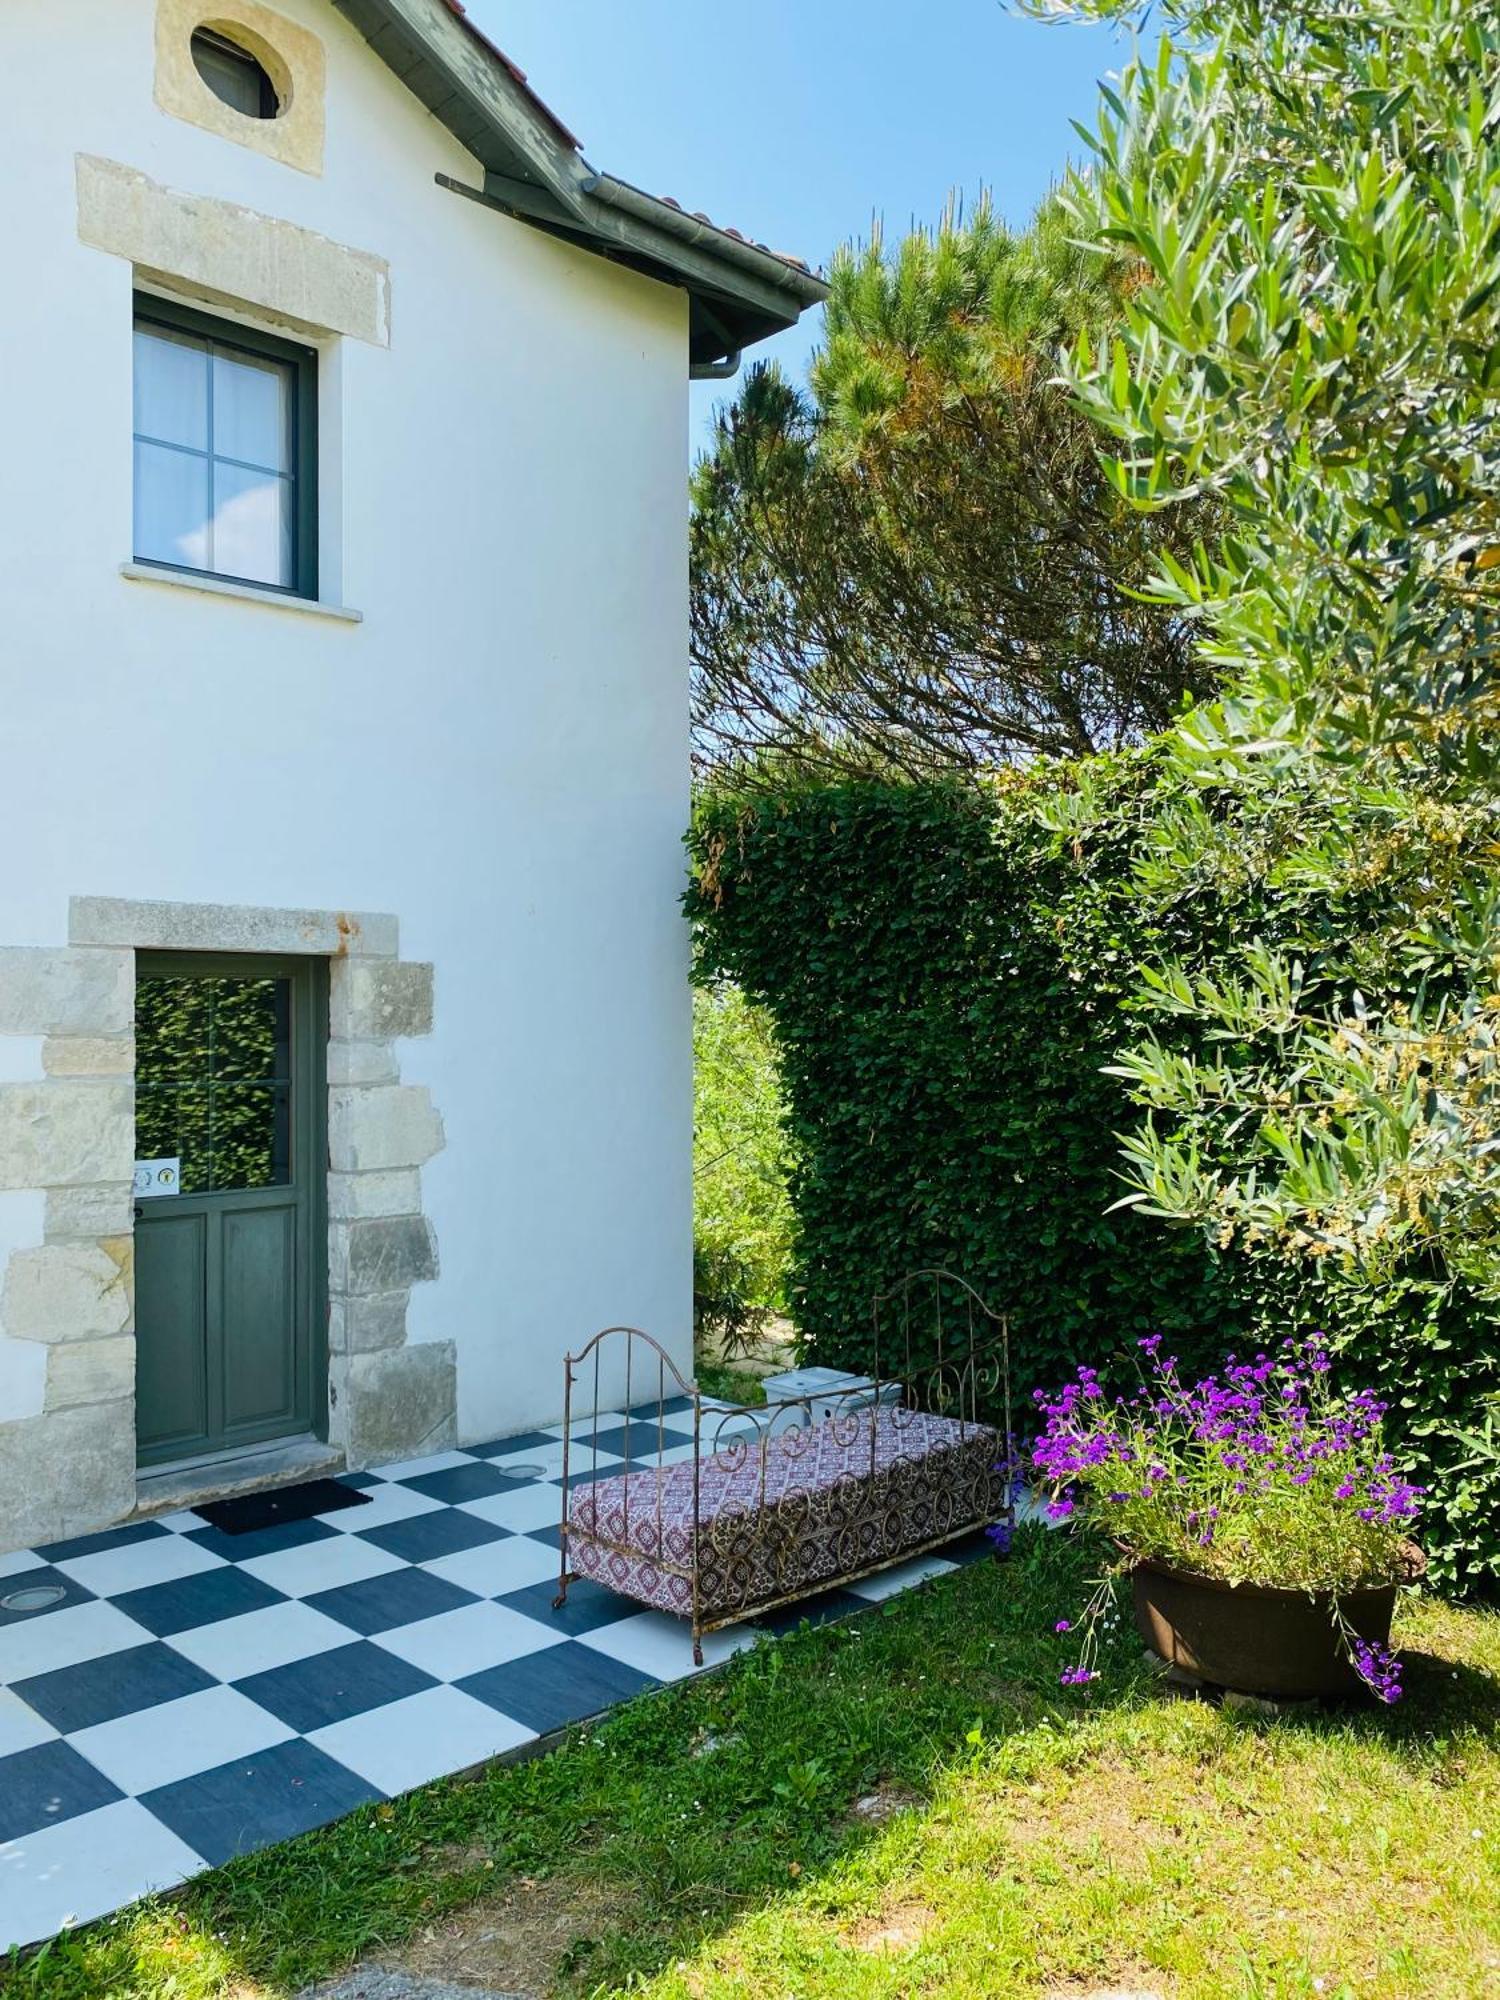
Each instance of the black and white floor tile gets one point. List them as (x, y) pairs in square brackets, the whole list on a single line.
[(192, 1695)]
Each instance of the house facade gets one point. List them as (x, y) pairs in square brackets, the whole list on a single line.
[(345, 1065)]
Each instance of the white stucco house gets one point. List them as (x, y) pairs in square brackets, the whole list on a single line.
[(344, 1026)]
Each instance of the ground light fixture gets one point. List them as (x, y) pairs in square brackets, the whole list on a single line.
[(34, 1597)]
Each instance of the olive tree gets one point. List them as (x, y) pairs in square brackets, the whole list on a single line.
[(1310, 194)]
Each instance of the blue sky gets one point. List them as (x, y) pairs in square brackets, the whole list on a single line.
[(799, 121)]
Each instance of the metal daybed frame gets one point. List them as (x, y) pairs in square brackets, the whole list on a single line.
[(763, 1508)]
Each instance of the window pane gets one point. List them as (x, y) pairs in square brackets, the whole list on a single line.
[(234, 77), (251, 1135), (171, 507), (173, 1027), (172, 1123), (171, 388), (252, 529), (252, 410), (252, 1030)]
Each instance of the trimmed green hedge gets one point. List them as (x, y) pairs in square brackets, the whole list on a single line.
[(947, 978)]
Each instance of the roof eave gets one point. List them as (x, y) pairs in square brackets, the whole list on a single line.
[(533, 170), (468, 86)]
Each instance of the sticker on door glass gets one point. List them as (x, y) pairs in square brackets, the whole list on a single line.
[(157, 1177)]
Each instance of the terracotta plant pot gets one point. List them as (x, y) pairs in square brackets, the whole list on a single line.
[(1256, 1639)]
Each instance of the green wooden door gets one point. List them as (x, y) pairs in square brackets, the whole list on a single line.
[(231, 1150)]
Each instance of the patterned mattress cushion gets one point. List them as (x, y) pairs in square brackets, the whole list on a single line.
[(786, 1515)]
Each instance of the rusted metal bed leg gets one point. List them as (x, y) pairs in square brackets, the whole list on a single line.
[(697, 1523), (563, 1578)]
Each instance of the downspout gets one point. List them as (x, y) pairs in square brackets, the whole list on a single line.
[(716, 371)]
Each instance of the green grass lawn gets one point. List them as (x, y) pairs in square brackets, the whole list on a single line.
[(1022, 1841), (729, 1384)]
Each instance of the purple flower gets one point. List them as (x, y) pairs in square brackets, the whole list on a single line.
[(1207, 1471), (1063, 1625), (1377, 1666)]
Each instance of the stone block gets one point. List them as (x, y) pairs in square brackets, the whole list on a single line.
[(66, 1132), (353, 1197), (141, 926), (374, 1127), (338, 1393), (223, 250), (66, 1474), (382, 1254), (367, 1325), (362, 1062), (380, 1000), (63, 992), (399, 1404), (87, 1213), (90, 1371), (70, 1291), (89, 1055)]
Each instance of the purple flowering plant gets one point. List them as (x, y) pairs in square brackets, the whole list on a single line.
[(1263, 1473)]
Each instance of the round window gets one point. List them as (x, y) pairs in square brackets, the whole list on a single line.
[(234, 75)]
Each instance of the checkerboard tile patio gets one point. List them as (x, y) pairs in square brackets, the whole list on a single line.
[(194, 1695)]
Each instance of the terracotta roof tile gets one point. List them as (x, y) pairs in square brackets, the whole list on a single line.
[(723, 228)]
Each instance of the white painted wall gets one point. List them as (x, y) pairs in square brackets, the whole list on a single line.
[(497, 754)]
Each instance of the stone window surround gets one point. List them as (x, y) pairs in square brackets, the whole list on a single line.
[(223, 255), (71, 1469), (292, 56)]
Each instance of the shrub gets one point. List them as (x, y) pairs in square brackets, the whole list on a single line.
[(725, 1308), (948, 978), (742, 1218)]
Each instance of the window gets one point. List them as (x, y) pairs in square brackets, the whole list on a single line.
[(225, 450), (213, 1079), (233, 75)]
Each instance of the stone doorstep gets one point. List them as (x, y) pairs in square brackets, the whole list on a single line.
[(175, 1486)]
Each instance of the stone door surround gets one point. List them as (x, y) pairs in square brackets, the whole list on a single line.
[(68, 1466)]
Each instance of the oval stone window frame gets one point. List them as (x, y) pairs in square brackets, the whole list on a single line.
[(291, 56)]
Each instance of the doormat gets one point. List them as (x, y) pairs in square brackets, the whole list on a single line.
[(253, 1511)]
